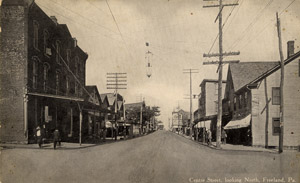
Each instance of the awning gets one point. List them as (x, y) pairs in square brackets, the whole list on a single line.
[(242, 123)]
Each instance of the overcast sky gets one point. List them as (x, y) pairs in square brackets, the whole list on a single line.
[(179, 32)]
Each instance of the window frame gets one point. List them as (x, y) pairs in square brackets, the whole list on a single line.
[(36, 35), (273, 96), (46, 37), (35, 74), (276, 120), (57, 81), (57, 52), (45, 76)]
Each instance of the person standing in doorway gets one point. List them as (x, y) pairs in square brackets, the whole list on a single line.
[(56, 138), (39, 136), (209, 137), (223, 136)]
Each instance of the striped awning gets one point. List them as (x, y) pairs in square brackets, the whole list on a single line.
[(241, 123)]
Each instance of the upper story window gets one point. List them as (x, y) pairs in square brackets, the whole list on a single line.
[(240, 101), (57, 79), (68, 56), (47, 49), (76, 88), (234, 103), (76, 65), (276, 126), (45, 76), (35, 35), (58, 52), (276, 95), (246, 99), (229, 107), (34, 73), (67, 85)]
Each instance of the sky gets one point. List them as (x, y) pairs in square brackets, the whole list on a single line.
[(114, 33)]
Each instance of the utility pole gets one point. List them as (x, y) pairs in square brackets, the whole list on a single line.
[(281, 85), (116, 81), (191, 71), (220, 63)]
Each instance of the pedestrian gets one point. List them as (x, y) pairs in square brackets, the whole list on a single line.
[(209, 137), (223, 136), (56, 138), (39, 136)]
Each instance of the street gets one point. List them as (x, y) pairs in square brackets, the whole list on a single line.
[(158, 157)]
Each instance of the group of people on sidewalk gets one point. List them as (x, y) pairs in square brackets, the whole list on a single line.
[(207, 138), (40, 136)]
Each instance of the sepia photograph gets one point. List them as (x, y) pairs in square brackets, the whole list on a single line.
[(149, 91)]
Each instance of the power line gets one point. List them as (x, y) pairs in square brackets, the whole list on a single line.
[(262, 30), (76, 22), (118, 27), (250, 25), (83, 17)]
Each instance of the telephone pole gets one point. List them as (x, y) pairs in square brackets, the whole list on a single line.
[(220, 63), (281, 85), (116, 81), (191, 71)]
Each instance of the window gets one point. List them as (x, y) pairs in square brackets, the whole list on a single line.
[(76, 88), (58, 52), (35, 35), (229, 105), (276, 95), (67, 85), (240, 102), (76, 65), (216, 106), (35, 74), (276, 126), (47, 50), (234, 103), (68, 56), (246, 99), (45, 76), (57, 79)]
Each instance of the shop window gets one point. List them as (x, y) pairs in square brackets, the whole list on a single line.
[(276, 126), (276, 95), (35, 35)]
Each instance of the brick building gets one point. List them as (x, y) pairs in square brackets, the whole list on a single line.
[(42, 74)]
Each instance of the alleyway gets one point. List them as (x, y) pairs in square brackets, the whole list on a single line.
[(159, 157)]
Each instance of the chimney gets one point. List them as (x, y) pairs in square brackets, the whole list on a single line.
[(290, 48), (54, 19), (75, 42)]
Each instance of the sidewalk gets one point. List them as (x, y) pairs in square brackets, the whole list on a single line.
[(231, 147), (65, 145)]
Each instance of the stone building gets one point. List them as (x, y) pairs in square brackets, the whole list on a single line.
[(42, 74)]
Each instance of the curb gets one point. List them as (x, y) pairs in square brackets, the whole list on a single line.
[(221, 149)]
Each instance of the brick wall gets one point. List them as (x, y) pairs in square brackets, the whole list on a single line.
[(13, 72)]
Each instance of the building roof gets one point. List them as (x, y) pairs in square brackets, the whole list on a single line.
[(110, 97), (244, 72), (210, 80), (277, 67), (133, 105)]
